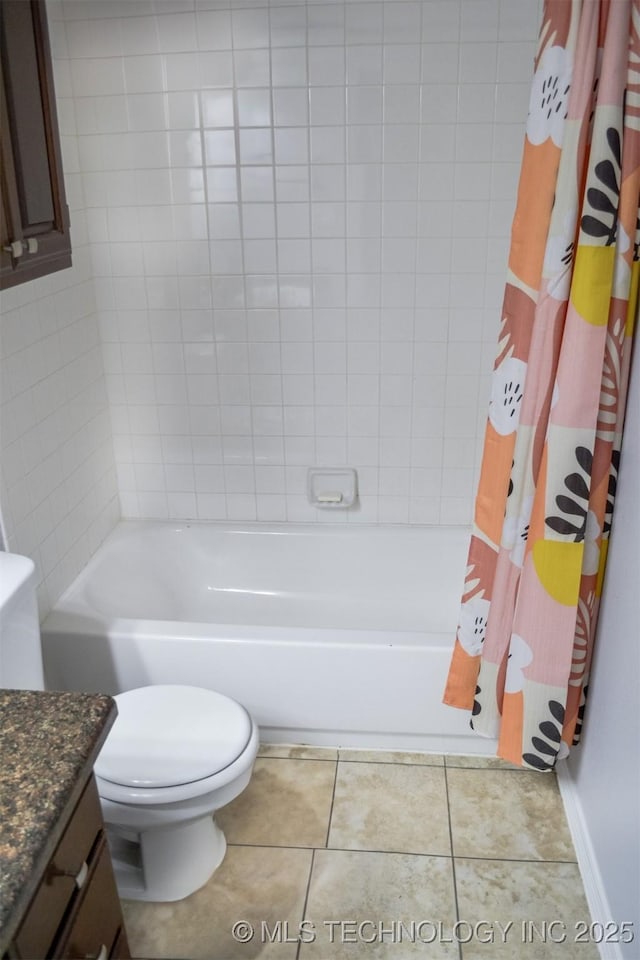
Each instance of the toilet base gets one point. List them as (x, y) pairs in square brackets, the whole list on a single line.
[(166, 864)]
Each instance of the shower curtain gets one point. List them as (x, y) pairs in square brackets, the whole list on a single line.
[(552, 445)]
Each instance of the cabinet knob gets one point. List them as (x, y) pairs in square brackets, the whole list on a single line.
[(102, 954), (79, 877), (15, 248), (32, 245)]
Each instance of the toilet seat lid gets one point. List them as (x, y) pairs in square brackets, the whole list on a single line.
[(168, 735)]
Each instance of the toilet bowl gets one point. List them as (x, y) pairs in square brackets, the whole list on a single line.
[(174, 756)]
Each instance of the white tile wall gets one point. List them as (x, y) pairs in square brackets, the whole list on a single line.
[(299, 218), (58, 490), (58, 484)]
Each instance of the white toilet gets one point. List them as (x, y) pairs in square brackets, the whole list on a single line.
[(174, 755)]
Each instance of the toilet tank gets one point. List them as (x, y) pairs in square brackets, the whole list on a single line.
[(20, 651)]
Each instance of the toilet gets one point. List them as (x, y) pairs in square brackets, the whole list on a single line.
[(174, 756)]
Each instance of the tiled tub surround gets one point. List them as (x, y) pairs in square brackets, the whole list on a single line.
[(298, 215), (365, 836)]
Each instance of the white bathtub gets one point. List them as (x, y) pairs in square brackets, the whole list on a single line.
[(329, 634)]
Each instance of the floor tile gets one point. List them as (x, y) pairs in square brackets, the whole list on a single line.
[(400, 807), (365, 894), (392, 756), (287, 804), (504, 892), (502, 814), (481, 763), (255, 884), (289, 751), (386, 889)]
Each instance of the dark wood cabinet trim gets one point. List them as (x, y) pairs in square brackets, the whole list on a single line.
[(76, 902), (53, 238)]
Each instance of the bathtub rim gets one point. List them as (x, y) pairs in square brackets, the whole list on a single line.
[(72, 603), (410, 653), (68, 622)]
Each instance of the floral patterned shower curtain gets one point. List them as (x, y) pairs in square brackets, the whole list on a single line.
[(552, 445)]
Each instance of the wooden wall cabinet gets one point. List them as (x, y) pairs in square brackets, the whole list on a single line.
[(75, 912), (34, 224)]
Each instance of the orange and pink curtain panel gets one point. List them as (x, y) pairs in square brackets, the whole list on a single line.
[(552, 445)]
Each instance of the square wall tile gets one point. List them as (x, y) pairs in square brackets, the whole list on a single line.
[(330, 173)]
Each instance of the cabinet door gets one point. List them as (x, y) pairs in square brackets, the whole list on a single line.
[(62, 883), (35, 220), (95, 929)]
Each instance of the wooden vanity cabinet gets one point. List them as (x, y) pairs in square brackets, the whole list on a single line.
[(75, 912)]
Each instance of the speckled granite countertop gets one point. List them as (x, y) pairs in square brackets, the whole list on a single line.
[(48, 745)]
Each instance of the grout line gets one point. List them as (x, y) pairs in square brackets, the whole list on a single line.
[(453, 860), (208, 205), (272, 756), (394, 763), (306, 896), (312, 275), (398, 763), (411, 495), (333, 797), (399, 853), (226, 463), (510, 859), (453, 766), (276, 244), (380, 763)]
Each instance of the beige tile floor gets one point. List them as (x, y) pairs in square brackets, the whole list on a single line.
[(353, 853)]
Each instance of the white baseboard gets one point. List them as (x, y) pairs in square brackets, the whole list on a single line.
[(587, 861), (471, 745)]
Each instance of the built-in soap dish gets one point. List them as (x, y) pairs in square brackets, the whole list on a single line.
[(332, 487)]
